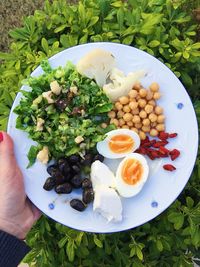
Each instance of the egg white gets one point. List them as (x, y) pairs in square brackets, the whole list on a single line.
[(126, 190), (103, 146)]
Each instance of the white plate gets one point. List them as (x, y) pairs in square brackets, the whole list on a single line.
[(162, 187)]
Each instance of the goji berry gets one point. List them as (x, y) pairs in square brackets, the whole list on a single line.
[(163, 150), (172, 135), (163, 135), (169, 167), (175, 153), (146, 140), (155, 154), (160, 143)]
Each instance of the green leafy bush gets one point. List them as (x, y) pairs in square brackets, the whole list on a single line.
[(163, 29)]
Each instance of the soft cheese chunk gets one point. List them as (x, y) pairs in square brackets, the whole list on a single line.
[(107, 203), (101, 175)]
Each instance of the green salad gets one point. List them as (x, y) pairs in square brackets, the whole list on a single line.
[(64, 111)]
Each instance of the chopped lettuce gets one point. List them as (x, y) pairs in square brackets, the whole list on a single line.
[(70, 115)]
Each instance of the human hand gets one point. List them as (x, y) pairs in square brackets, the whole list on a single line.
[(17, 213)]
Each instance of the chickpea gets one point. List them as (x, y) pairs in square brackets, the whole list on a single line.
[(104, 125), (115, 122), (137, 86), (120, 114), (142, 135), (135, 111), (134, 129), (118, 106), (152, 103), (157, 95), (152, 117), (136, 119), (121, 122), (129, 123), (160, 127), (128, 117), (154, 87), (125, 127), (137, 97), (126, 109), (149, 95), (158, 110), (124, 100), (148, 108), (133, 105), (146, 122), (138, 125), (146, 129), (133, 93), (111, 114), (142, 103), (143, 92), (161, 118), (153, 124), (153, 132), (143, 114)]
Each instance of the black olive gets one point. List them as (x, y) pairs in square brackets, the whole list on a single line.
[(74, 159), (77, 204), (98, 157), (87, 160), (52, 169), (64, 166), (60, 178), (65, 188), (49, 184), (86, 183), (76, 181), (76, 168), (88, 195), (61, 104)]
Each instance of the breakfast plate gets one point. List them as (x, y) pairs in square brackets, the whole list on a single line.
[(161, 188)]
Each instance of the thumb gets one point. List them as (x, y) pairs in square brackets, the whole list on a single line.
[(6, 149)]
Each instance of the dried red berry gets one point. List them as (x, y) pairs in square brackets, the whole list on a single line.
[(163, 150), (150, 156), (163, 135), (174, 154), (169, 167), (155, 154), (172, 135), (160, 143), (146, 140)]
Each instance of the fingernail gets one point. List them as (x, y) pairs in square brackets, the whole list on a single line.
[(1, 136)]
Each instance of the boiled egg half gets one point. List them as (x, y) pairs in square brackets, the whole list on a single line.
[(131, 175), (118, 143)]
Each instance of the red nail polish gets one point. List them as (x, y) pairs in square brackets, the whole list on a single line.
[(1, 136)]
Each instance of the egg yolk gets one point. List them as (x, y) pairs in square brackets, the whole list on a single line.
[(121, 143), (132, 171)]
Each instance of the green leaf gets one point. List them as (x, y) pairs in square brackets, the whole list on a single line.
[(70, 249), (45, 45), (120, 17), (98, 241), (154, 43), (159, 245), (139, 253), (60, 28), (33, 151), (63, 241), (190, 202), (177, 219)]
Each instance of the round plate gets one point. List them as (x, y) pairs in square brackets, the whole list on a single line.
[(161, 188)]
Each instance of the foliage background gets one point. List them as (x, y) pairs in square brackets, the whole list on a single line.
[(163, 28)]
